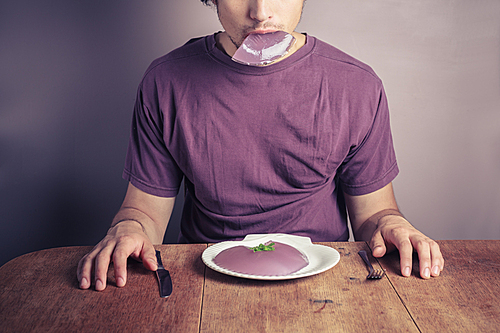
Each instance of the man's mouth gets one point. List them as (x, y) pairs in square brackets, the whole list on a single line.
[(261, 31)]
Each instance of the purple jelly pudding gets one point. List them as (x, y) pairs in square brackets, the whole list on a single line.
[(284, 260)]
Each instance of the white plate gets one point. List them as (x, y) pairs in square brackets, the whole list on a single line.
[(321, 258)]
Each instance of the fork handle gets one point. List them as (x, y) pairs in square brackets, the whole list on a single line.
[(365, 258)]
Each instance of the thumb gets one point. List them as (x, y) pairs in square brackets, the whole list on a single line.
[(377, 245)]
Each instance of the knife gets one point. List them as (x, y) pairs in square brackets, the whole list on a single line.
[(164, 279)]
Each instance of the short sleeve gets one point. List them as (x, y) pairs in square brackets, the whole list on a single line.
[(149, 165), (371, 165)]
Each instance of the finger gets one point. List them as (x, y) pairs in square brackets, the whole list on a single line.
[(120, 256), (405, 253), (84, 271), (437, 259), (101, 267), (424, 256), (377, 245), (148, 257)]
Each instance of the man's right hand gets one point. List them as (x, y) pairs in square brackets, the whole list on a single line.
[(125, 239), (128, 238)]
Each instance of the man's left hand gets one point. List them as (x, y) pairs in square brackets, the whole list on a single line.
[(395, 232)]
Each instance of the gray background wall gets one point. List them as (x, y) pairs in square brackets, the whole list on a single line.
[(69, 72)]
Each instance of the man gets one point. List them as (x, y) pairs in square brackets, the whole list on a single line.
[(284, 147)]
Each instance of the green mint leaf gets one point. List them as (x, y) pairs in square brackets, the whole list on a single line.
[(263, 247)]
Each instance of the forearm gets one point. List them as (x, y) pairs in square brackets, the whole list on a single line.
[(152, 213), (366, 212)]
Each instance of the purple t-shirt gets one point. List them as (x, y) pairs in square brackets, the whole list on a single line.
[(261, 149)]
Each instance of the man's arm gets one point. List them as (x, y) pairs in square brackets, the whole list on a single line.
[(141, 222), (375, 218)]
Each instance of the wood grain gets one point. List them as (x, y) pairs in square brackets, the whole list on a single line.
[(39, 292), (338, 300), (465, 298)]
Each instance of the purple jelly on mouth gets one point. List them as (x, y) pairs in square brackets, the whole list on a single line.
[(263, 49), (284, 260)]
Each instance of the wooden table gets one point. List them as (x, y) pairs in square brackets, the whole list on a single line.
[(39, 292)]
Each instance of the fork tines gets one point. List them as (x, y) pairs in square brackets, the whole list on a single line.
[(376, 274)]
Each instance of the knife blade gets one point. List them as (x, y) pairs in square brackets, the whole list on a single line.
[(164, 279)]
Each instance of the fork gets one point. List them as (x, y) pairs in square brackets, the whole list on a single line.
[(374, 273)]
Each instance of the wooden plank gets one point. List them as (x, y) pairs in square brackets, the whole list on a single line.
[(465, 298), (39, 292), (338, 300)]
